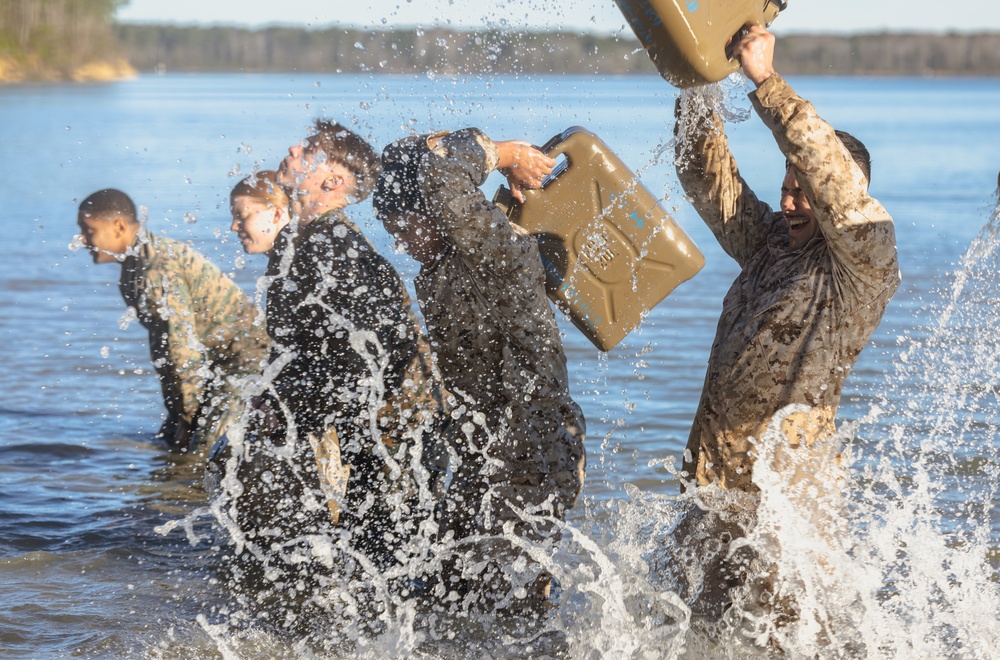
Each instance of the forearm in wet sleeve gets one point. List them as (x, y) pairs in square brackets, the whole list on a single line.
[(166, 371), (184, 350), (451, 175), (188, 363), (711, 180), (856, 226)]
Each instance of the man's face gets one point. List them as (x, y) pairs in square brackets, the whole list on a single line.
[(300, 170), (256, 223), (799, 216), (306, 171), (417, 237), (103, 237)]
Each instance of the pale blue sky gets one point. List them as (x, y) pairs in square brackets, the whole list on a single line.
[(595, 15)]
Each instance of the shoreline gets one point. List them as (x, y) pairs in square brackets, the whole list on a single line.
[(13, 72)]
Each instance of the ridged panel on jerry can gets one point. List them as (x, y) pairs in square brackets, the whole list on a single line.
[(611, 253), (687, 39)]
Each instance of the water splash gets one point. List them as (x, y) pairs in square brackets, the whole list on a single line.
[(894, 568)]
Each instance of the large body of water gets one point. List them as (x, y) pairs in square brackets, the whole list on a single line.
[(83, 487)]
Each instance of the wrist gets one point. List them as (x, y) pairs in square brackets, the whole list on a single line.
[(507, 152), (762, 77)]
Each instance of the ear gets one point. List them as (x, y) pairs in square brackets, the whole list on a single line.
[(280, 214), (120, 226), (332, 182)]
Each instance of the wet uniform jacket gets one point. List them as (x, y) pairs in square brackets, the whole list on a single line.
[(496, 338), (338, 311), (201, 331), (794, 321)]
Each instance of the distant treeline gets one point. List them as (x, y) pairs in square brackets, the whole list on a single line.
[(173, 48), (57, 39), (380, 51), (76, 39)]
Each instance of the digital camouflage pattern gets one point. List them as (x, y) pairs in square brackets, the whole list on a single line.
[(354, 362), (794, 321), (202, 335), (516, 428)]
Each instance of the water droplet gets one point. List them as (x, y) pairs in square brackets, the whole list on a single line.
[(125, 320)]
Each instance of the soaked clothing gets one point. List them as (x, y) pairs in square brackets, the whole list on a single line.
[(351, 359), (201, 333), (794, 321), (518, 431)]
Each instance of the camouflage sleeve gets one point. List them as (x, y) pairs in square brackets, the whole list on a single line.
[(451, 175), (180, 355), (856, 226), (712, 182)]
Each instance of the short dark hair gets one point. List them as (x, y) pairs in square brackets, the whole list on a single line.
[(858, 152), (109, 202), (397, 190), (345, 147)]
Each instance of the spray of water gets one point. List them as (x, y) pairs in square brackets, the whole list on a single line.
[(889, 563)]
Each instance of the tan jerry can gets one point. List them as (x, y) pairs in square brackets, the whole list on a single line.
[(688, 39), (610, 251)]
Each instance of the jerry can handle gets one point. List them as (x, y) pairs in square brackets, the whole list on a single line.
[(782, 5), (558, 146), (742, 32)]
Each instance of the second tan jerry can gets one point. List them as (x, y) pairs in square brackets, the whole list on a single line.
[(610, 251), (687, 39)]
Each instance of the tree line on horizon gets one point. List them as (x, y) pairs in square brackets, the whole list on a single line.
[(50, 39), (338, 49)]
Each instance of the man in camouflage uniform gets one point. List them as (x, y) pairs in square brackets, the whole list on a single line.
[(518, 433), (356, 375), (816, 276), (201, 333), (815, 280)]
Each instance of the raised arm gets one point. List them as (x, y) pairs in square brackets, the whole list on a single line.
[(450, 175), (857, 228), (505, 265), (712, 182)]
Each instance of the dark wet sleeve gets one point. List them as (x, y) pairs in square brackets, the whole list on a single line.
[(505, 267), (856, 226), (450, 176), (713, 184)]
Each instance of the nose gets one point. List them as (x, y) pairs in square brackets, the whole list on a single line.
[(235, 225), (787, 202), (295, 151)]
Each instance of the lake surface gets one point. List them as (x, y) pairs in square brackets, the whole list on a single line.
[(84, 488)]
